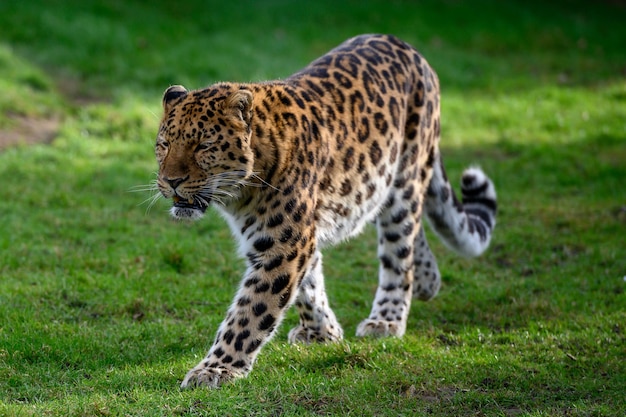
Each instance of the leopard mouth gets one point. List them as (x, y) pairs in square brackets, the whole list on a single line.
[(191, 203)]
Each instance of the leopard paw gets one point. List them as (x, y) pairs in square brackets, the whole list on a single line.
[(379, 328), (301, 334), (206, 376)]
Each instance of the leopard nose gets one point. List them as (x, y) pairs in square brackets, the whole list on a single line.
[(175, 182)]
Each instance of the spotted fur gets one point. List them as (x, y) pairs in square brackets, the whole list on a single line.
[(298, 164)]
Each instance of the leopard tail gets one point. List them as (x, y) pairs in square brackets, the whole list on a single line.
[(464, 226)]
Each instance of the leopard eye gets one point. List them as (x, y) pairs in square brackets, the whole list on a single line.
[(202, 146), (163, 144)]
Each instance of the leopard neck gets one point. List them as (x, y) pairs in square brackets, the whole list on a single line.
[(271, 140)]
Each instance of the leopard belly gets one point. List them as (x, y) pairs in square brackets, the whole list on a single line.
[(341, 219)]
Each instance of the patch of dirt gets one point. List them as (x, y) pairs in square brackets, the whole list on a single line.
[(29, 131)]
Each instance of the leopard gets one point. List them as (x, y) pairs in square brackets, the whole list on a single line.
[(298, 164)]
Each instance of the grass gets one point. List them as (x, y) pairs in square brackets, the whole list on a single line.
[(104, 306)]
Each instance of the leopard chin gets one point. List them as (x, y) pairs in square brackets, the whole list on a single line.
[(184, 210)]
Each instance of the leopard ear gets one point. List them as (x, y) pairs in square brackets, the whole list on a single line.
[(239, 106), (171, 94)]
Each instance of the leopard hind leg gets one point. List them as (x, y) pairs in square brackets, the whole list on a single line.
[(398, 225)]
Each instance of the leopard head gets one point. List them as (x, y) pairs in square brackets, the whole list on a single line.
[(203, 147)]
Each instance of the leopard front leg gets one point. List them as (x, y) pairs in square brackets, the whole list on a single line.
[(317, 321), (267, 289), (427, 279)]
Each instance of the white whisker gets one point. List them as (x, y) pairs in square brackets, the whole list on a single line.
[(143, 188), (151, 186), (153, 114), (203, 201), (226, 186), (256, 176), (151, 201), (223, 193)]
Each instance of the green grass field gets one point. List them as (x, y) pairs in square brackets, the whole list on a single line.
[(105, 305)]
